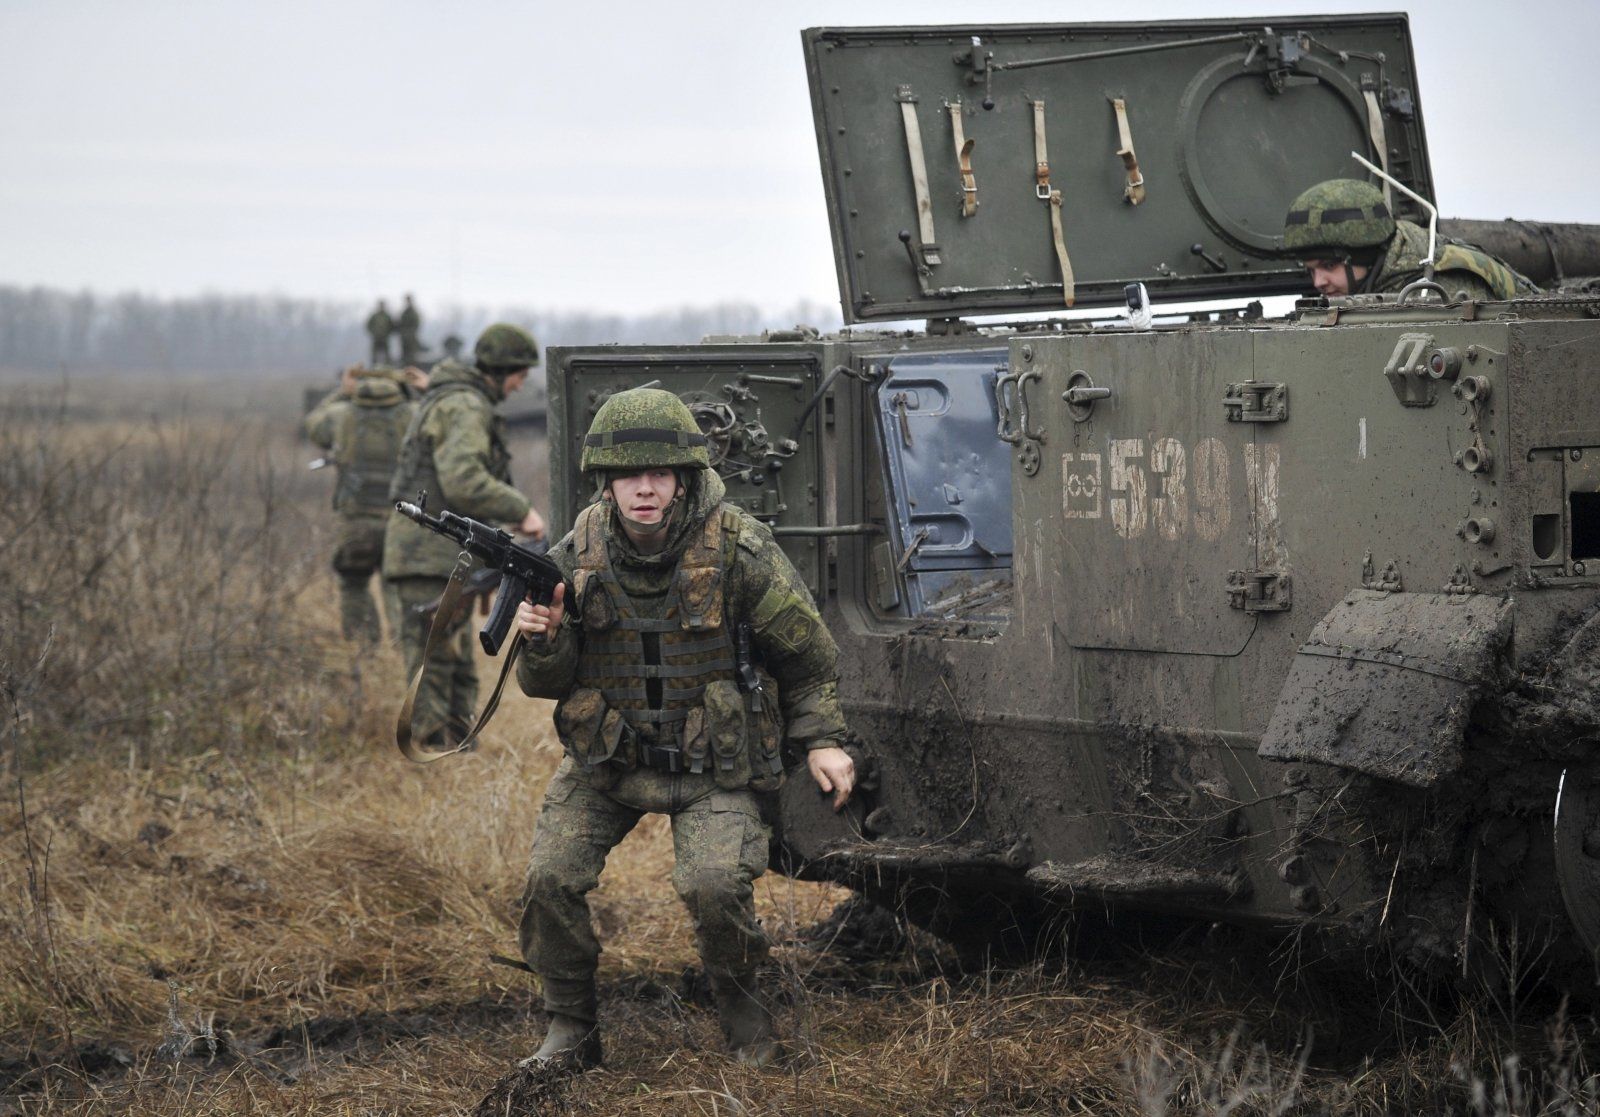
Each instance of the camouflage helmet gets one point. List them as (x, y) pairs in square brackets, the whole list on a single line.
[(1338, 218), (505, 348), (644, 428)]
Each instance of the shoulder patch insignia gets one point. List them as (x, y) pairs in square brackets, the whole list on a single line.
[(793, 628)]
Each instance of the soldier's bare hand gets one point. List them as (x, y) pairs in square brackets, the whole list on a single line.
[(834, 771), (533, 620), (415, 377), (347, 379), (532, 524)]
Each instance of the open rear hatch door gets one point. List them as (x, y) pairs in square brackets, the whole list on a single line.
[(757, 403), (990, 169)]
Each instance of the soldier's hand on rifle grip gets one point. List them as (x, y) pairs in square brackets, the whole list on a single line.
[(542, 620), (532, 525)]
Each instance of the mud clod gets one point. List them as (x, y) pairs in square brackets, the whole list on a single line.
[(526, 1091), (858, 930)]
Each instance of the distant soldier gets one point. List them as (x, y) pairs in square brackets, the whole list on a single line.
[(456, 450), (361, 424), (411, 348), (379, 327), (1350, 244), (452, 347)]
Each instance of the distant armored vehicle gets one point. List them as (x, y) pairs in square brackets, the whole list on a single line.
[(1291, 623)]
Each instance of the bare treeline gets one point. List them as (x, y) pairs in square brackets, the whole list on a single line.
[(47, 330)]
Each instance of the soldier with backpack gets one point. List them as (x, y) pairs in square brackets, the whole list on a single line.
[(361, 424)]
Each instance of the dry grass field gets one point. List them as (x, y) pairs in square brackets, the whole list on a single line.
[(223, 891)]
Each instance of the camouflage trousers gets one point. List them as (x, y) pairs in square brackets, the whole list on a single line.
[(447, 701), (356, 559), (719, 843)]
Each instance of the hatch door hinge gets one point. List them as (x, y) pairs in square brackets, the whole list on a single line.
[(1256, 401), (947, 327), (1259, 591)]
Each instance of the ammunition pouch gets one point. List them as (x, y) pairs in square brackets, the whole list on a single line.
[(739, 735), (363, 488), (359, 552), (593, 734)]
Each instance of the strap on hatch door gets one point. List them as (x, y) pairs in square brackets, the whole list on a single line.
[(969, 184), (1380, 143), (1051, 197), (919, 174), (1134, 191)]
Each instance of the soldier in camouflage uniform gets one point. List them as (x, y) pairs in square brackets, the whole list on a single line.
[(1342, 230), (379, 327), (411, 347), (456, 450), (361, 424), (670, 584)]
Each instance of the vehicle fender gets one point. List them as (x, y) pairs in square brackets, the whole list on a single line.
[(1386, 683)]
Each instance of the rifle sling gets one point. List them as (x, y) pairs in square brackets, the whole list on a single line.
[(442, 619)]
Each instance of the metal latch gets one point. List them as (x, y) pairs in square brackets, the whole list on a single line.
[(1256, 401), (1409, 373), (1081, 395), (1259, 591)]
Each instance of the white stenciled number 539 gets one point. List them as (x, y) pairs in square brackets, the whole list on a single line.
[(1159, 486)]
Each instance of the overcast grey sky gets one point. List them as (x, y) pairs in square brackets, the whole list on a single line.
[(622, 156)]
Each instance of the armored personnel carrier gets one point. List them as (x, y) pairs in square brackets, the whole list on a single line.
[(1287, 622)]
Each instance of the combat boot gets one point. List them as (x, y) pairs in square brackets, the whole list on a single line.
[(573, 1034), (746, 1020)]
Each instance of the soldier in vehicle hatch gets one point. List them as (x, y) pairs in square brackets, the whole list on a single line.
[(692, 653), (411, 347), (1350, 244), (379, 327), (455, 450), (361, 424)]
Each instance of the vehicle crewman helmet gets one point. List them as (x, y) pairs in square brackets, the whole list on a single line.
[(1341, 219), (504, 348), (644, 428)]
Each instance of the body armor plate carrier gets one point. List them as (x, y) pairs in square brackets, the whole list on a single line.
[(665, 691), (365, 450), (415, 469)]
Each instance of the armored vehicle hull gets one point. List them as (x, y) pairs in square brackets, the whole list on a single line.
[(1290, 623), (1256, 637)]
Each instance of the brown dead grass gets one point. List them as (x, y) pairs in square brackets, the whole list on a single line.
[(222, 891)]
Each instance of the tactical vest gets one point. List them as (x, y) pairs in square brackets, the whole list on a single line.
[(415, 470), (700, 707), (365, 449), (1403, 265), (1501, 280)]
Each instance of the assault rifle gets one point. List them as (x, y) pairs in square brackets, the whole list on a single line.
[(523, 572)]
